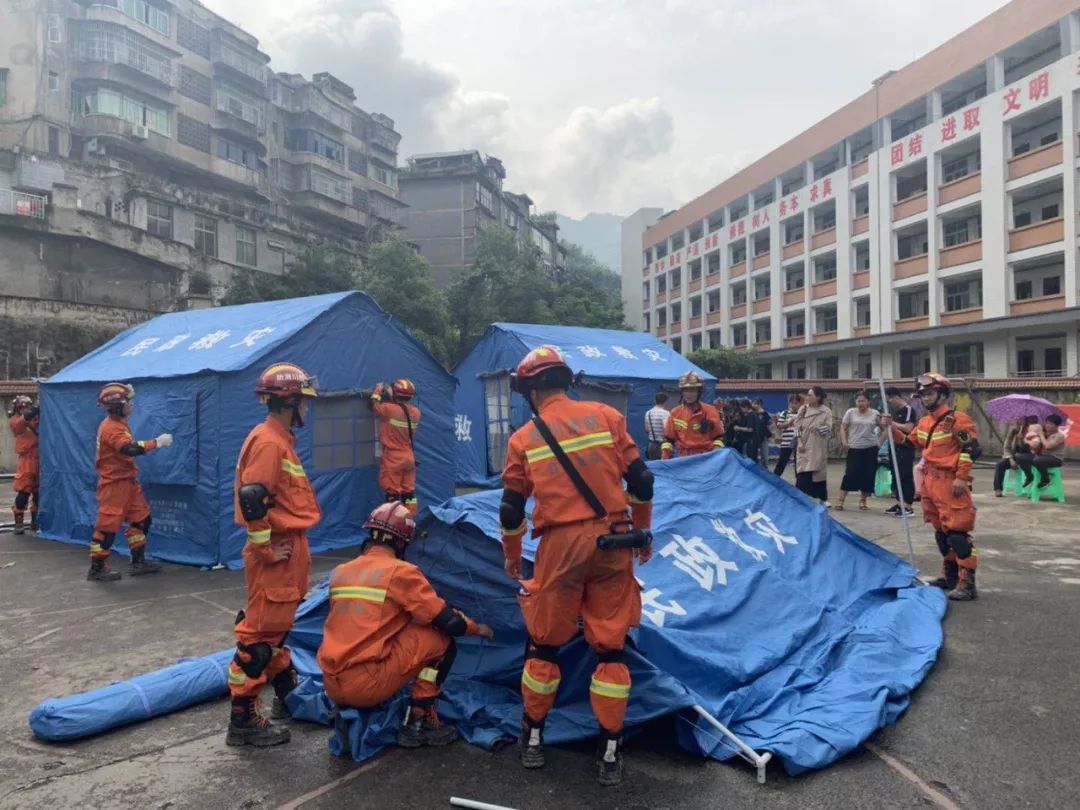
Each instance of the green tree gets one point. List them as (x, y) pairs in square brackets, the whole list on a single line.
[(318, 270), (725, 363), (588, 293)]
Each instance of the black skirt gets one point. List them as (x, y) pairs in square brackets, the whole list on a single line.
[(861, 470)]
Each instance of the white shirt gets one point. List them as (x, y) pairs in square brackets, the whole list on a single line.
[(656, 419)]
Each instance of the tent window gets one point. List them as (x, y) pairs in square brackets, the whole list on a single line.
[(615, 396), (345, 433), (497, 400)]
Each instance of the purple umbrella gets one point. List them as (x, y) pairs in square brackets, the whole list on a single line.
[(1014, 407)]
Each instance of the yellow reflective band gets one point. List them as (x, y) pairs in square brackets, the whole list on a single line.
[(533, 685), (718, 443), (294, 470), (575, 445), (632, 499), (259, 538), (236, 678), (680, 423), (611, 690), (665, 446), (428, 674), (520, 529), (399, 423), (965, 457), (359, 592), (95, 548), (939, 436)]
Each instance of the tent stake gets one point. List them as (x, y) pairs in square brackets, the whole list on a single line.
[(759, 761), (899, 484)]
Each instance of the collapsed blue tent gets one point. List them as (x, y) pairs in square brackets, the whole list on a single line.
[(800, 636), (194, 374), (623, 369)]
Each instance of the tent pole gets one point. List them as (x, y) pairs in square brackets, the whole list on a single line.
[(899, 484), (745, 751)]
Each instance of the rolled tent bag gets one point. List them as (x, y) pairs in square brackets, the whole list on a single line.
[(191, 681)]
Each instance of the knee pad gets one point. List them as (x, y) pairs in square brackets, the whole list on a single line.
[(942, 539), (543, 652), (21, 500), (960, 542), (447, 661), (107, 540), (143, 525), (258, 655)]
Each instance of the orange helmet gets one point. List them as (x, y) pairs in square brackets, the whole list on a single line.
[(932, 381), (115, 395), (691, 379), (403, 389), (393, 518), (285, 380), (543, 362)]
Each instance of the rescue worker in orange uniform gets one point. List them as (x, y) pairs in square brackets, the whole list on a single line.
[(387, 627), (572, 576), (398, 421), (276, 504), (694, 427), (25, 424), (947, 438), (120, 497)]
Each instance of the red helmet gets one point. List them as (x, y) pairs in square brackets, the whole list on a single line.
[(285, 380), (21, 403), (403, 389), (394, 518), (691, 379), (932, 381), (115, 394), (533, 365)]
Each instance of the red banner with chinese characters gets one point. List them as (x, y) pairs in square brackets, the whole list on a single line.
[(1071, 429)]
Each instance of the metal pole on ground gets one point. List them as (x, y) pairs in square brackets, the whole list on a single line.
[(759, 761), (899, 483)]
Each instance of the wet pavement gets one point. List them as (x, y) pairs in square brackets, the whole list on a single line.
[(996, 725)]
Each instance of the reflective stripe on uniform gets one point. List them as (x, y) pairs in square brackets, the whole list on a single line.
[(965, 458), (939, 436), (95, 548), (611, 690), (236, 678), (428, 674), (519, 530), (922, 434), (718, 443), (680, 423), (358, 592), (539, 687), (399, 423), (574, 445), (259, 538), (294, 470), (665, 446)]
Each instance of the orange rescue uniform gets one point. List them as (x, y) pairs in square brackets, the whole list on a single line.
[(120, 497), (571, 576), (27, 468), (378, 636), (274, 589), (397, 467), (692, 430)]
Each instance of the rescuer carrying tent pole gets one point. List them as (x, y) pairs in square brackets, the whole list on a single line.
[(694, 427), (398, 421)]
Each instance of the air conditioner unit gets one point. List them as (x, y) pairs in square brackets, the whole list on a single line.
[(140, 131)]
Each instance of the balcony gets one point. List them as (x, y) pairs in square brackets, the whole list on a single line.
[(240, 174), (761, 260), (762, 305), (860, 280), (911, 324), (958, 189), (823, 238), (318, 204), (694, 286), (793, 249), (676, 326), (1032, 306), (763, 346), (1036, 160), (661, 331), (661, 297), (860, 225), (969, 315), (126, 67), (860, 331), (795, 296), (1041, 233), (909, 207), (248, 72), (695, 322), (738, 269), (915, 266), (21, 204), (823, 289), (860, 169), (798, 340), (738, 311), (713, 318), (960, 254), (825, 337)]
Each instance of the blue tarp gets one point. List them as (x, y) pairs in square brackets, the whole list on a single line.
[(635, 363), (194, 374), (799, 635)]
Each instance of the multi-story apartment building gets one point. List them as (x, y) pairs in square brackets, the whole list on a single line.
[(146, 145), (451, 197), (930, 223)]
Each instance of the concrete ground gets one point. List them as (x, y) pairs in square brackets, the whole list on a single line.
[(996, 725)]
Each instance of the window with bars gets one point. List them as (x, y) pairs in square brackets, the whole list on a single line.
[(193, 36), (796, 369), (159, 219), (963, 295), (344, 433), (206, 235), (195, 85), (913, 304), (964, 358), (192, 132), (828, 368), (246, 252), (497, 410)]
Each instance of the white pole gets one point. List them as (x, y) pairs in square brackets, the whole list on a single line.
[(899, 484), (474, 805), (745, 751)]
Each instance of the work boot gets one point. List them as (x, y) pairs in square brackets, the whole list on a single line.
[(284, 682), (949, 575), (531, 744), (965, 587), (609, 760), (18, 529), (423, 727), (248, 727), (34, 526), (99, 572), (140, 565)]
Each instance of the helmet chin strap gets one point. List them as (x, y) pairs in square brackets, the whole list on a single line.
[(297, 419)]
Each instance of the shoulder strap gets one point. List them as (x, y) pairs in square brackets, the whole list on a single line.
[(408, 421), (569, 468), (938, 421)]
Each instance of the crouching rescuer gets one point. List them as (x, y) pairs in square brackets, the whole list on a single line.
[(572, 458), (277, 505), (387, 628)]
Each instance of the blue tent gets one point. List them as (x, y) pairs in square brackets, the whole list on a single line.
[(194, 374), (623, 369)]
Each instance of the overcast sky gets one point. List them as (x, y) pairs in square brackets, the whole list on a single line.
[(603, 105)]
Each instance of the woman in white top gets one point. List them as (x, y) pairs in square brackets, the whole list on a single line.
[(858, 437)]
